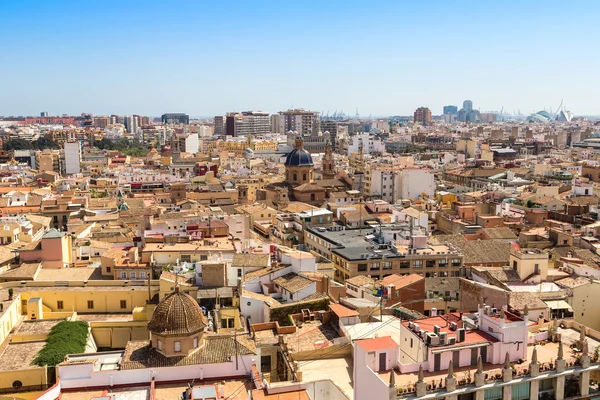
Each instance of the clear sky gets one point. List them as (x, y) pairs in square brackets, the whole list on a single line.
[(210, 57)]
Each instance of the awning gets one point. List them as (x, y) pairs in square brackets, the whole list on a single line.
[(558, 305), (438, 350)]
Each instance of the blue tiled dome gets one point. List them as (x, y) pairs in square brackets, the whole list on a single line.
[(298, 157)]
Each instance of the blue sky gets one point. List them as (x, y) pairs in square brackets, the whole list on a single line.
[(210, 57)]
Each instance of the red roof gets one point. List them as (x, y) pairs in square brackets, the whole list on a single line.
[(400, 281), (472, 336), (384, 342), (343, 311)]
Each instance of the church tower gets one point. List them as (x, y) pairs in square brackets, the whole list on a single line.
[(328, 162), (299, 165)]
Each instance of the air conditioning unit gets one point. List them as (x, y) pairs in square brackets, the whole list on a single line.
[(451, 340), (416, 327), (436, 329), (432, 338), (453, 326), (443, 338), (410, 325), (494, 311), (461, 334)]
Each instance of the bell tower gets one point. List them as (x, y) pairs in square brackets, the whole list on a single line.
[(328, 162)]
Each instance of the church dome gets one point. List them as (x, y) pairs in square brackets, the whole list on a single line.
[(176, 315), (298, 157)]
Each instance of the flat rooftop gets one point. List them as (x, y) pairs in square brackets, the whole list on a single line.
[(546, 354), (72, 274), (125, 317), (232, 387), (339, 370), (542, 287), (41, 326), (388, 325), (19, 355)]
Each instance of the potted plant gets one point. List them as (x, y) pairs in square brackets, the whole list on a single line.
[(10, 293)]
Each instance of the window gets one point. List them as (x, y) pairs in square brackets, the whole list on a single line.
[(60, 305), (295, 177), (132, 274), (362, 267), (312, 197), (418, 264), (177, 347), (386, 265), (430, 264), (108, 270), (404, 264), (514, 265), (230, 323), (456, 262), (203, 257), (195, 342), (239, 272), (303, 177), (442, 263), (143, 275), (291, 296), (123, 274), (186, 258), (411, 343), (159, 345), (90, 304), (265, 363), (375, 267), (455, 274), (123, 303)]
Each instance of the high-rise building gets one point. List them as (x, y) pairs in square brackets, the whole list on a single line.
[(468, 105), (331, 127), (44, 114), (131, 123), (72, 157), (468, 114), (219, 125), (450, 110), (277, 123), (175, 118), (423, 116), (101, 122), (191, 143), (248, 123), (145, 121), (305, 122)]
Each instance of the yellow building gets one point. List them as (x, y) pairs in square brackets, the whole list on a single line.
[(239, 147), (112, 297), (530, 264)]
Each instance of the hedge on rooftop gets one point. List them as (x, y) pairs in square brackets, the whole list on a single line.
[(66, 337)]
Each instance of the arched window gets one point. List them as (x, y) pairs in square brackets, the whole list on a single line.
[(159, 345), (295, 177), (303, 177), (177, 347), (195, 342)]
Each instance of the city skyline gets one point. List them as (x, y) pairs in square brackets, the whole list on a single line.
[(207, 59)]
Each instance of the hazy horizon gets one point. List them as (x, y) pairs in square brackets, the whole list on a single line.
[(384, 57)]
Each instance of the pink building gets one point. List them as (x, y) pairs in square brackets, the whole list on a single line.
[(54, 250)]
